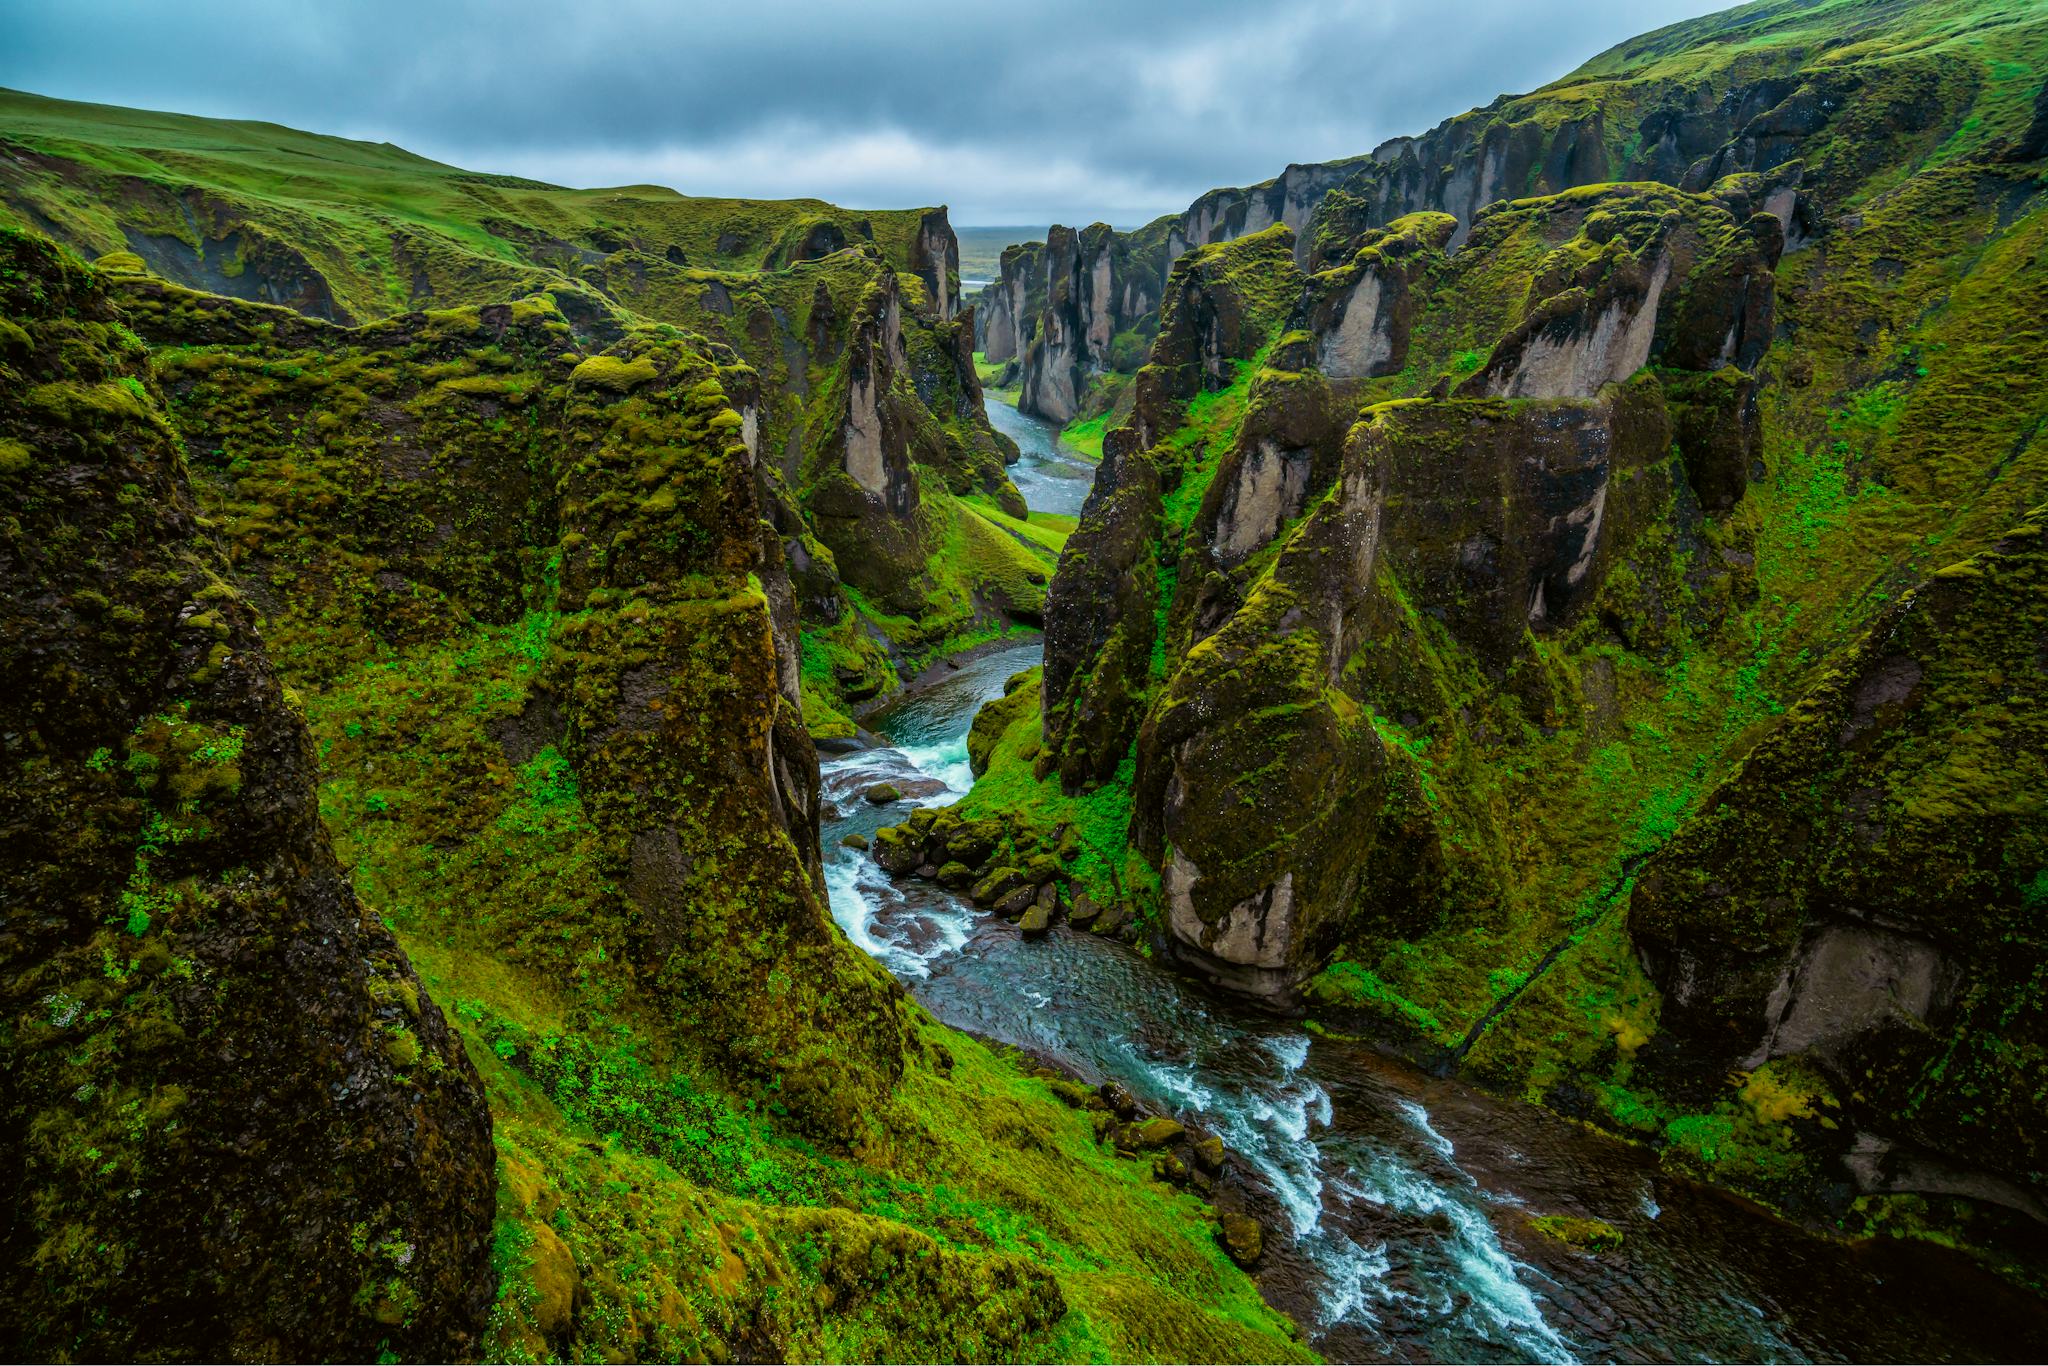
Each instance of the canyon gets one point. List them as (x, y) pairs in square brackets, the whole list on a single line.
[(591, 773)]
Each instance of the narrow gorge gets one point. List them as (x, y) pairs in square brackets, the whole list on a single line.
[(1438, 758)]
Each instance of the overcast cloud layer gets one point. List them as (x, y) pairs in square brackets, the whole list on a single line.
[(1051, 110)]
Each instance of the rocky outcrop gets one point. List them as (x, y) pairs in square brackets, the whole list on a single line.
[(234, 1123), (1099, 283), (1860, 894), (1289, 199), (1006, 312), (935, 259)]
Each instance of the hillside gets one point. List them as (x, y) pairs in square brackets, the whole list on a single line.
[(1581, 630)]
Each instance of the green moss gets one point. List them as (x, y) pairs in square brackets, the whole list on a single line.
[(1594, 1235)]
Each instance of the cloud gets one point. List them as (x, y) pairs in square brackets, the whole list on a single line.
[(1064, 109)]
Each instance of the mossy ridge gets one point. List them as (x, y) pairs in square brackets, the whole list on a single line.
[(368, 230), (1847, 98), (345, 232), (207, 1032)]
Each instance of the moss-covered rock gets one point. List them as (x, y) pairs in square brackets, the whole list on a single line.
[(1594, 1235), (236, 1122)]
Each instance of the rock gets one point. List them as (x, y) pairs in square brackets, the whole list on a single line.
[(1170, 1169), (1118, 1097), (1048, 896), (1082, 912), (1014, 903), (927, 871), (1042, 868), (955, 876), (1111, 919), (853, 839), (1241, 1237), (1158, 1131), (828, 812), (993, 885), (1594, 1235), (555, 1280), (1034, 922), (922, 819), (881, 794), (1208, 1153), (1071, 1093), (971, 842), (896, 850), (210, 1083)]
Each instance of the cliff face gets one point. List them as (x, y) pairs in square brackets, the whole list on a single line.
[(1006, 312), (1862, 892), (234, 1122), (1545, 634), (1098, 284), (376, 494), (1498, 520)]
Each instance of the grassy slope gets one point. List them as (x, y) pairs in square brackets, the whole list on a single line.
[(348, 204)]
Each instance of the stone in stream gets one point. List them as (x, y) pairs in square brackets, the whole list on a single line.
[(927, 871), (1119, 1099), (1241, 1237), (853, 839), (881, 794), (1155, 1132), (1035, 922), (896, 851), (994, 885)]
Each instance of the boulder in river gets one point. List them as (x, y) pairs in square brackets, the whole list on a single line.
[(1155, 1132), (896, 850), (1242, 1238), (1118, 1097), (853, 839), (881, 794), (992, 886), (1594, 1235), (1034, 922)]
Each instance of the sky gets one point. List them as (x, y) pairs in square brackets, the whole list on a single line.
[(1045, 111)]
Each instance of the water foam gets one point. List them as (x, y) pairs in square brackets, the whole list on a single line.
[(1501, 1307), (1290, 1049)]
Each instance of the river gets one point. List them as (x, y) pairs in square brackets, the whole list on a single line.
[(1396, 1204)]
